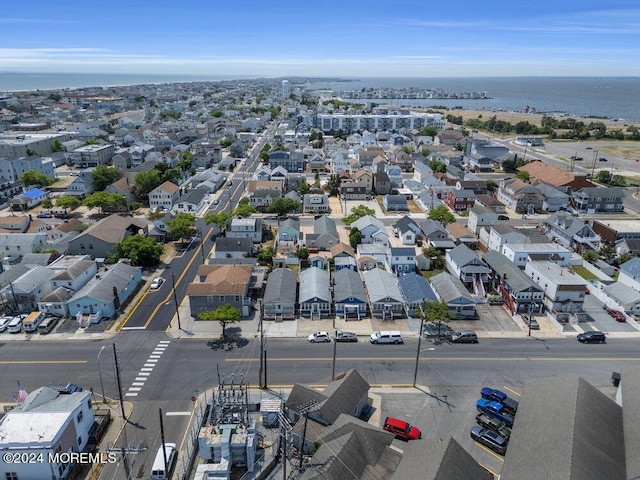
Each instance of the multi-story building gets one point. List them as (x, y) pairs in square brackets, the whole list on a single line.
[(598, 200), (12, 169), (563, 290), (238, 227), (92, 155), (357, 123)]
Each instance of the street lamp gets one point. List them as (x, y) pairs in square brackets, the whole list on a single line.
[(104, 400), (175, 299)]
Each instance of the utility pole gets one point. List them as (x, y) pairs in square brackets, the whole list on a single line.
[(262, 359), (175, 299), (125, 460), (304, 409), (164, 450), (333, 364), (415, 371), (201, 245), (593, 168)]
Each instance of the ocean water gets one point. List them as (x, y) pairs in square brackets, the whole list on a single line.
[(611, 97)]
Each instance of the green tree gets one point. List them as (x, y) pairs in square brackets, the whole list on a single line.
[(524, 176), (302, 253), (219, 218), (185, 161), (104, 200), (182, 225), (492, 186), (441, 214), (438, 166), (35, 178), (46, 203), (147, 181), (303, 188), (225, 314), (56, 146), (68, 202), (355, 237), (226, 142), (607, 251), (358, 212), (216, 113), (104, 176), (142, 250), (590, 256), (604, 176), (429, 131), (55, 96), (244, 210), (266, 255), (333, 185), (436, 313), (282, 206)]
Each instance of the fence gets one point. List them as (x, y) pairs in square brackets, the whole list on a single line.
[(190, 450)]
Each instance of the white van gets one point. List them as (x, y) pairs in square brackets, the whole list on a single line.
[(30, 324), (158, 471), (386, 337), (47, 325), (15, 325)]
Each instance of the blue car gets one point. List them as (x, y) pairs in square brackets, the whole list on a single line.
[(496, 410), (501, 397)]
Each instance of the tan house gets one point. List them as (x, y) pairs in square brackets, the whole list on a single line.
[(217, 285), (362, 177), (551, 175)]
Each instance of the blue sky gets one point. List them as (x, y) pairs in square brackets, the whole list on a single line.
[(350, 38)]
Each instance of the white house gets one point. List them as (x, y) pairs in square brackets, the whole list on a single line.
[(563, 291), (481, 217), (46, 423), (372, 229), (164, 196), (238, 227), (521, 253)]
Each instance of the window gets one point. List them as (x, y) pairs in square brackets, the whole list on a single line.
[(79, 417), (79, 441), (237, 298), (11, 476)]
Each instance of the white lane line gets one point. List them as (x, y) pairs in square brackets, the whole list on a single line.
[(137, 384), (176, 414), (146, 369), (149, 365), (134, 389), (164, 341), (154, 356), (130, 394), (141, 379), (144, 374)]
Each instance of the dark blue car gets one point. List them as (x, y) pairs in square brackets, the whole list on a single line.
[(501, 397), (495, 409)]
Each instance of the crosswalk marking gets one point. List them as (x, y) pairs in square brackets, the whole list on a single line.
[(145, 371)]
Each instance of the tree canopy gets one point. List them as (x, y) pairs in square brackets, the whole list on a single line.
[(219, 218), (355, 237), (142, 250), (68, 201), (225, 314), (147, 181), (429, 131), (441, 214), (182, 225), (438, 166), (244, 210), (358, 212), (104, 176), (282, 206), (524, 176), (35, 178), (104, 200)]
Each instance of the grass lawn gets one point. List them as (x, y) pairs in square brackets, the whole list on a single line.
[(430, 273), (584, 273), (413, 207)]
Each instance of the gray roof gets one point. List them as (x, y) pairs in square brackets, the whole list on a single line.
[(225, 244), (33, 278), (117, 277), (512, 275), (630, 268), (416, 289), (194, 196), (325, 225), (463, 255), (449, 288), (74, 270), (481, 210), (447, 460), (281, 286), (290, 223), (622, 293), (402, 251), (396, 199), (367, 220), (407, 223), (429, 226), (381, 285), (314, 283), (602, 192), (566, 429), (36, 259), (631, 418), (549, 190), (348, 284), (565, 223), (343, 395)]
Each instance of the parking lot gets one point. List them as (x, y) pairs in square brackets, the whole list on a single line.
[(599, 319), (438, 412)]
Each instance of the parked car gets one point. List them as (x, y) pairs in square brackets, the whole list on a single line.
[(503, 217), (591, 336), (602, 159), (45, 215), (216, 201), (4, 322), (466, 336), (617, 314), (489, 439), (319, 337), (498, 426), (346, 336), (496, 410), (60, 215), (532, 323), (499, 396), (401, 429), (157, 283)]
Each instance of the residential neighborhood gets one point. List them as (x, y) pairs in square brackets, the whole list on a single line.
[(236, 211)]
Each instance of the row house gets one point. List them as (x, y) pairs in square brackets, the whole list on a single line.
[(401, 260), (460, 200), (353, 191), (239, 227), (315, 297), (571, 232), (481, 217), (468, 267), (519, 293), (385, 299), (521, 253), (217, 285), (349, 294), (450, 290), (598, 200), (563, 290), (279, 299), (520, 196)]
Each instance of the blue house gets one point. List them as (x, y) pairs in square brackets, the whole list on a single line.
[(416, 291), (349, 295), (106, 292)]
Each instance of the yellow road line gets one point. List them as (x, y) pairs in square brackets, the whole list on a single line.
[(511, 390), (436, 359), (39, 362), (489, 451), (495, 475)]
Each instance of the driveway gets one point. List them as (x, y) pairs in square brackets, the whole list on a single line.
[(599, 319)]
